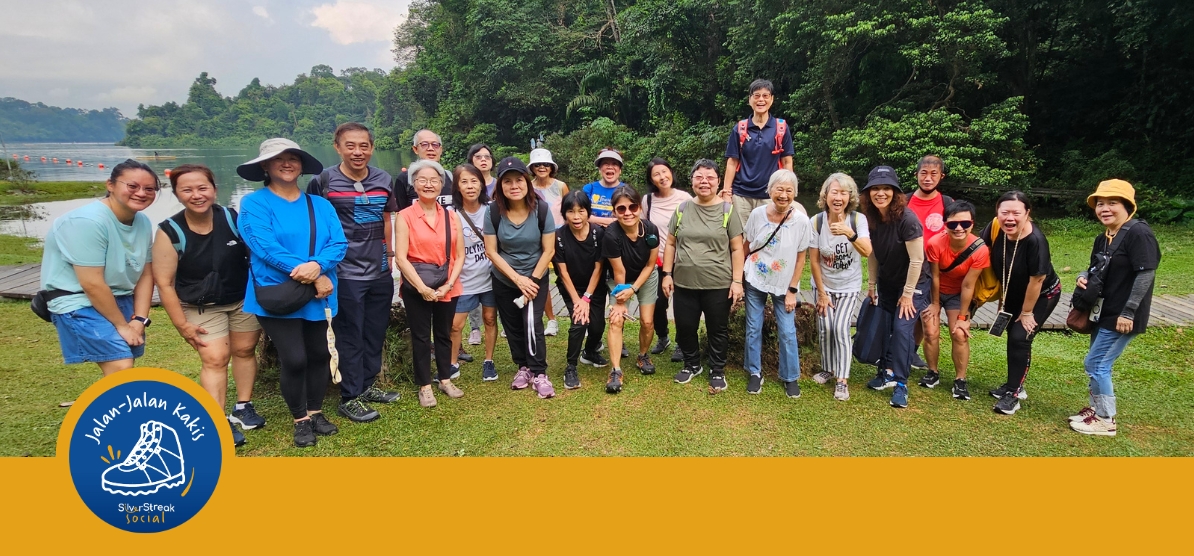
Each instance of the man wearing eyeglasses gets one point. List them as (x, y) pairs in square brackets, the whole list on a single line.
[(757, 147), (427, 146), (364, 199)]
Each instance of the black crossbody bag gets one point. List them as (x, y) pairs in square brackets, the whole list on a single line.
[(291, 295)]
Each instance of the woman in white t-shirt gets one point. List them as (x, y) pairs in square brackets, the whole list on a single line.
[(840, 240), (659, 205), (471, 201), (777, 235)]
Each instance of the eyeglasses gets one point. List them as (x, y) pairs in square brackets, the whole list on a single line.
[(133, 188), (430, 144), (623, 209), (959, 224), (479, 156), (758, 96), (429, 181), (704, 179)]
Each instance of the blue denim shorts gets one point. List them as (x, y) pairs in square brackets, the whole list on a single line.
[(466, 303), (87, 337)]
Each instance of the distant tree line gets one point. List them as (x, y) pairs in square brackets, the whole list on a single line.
[(27, 122)]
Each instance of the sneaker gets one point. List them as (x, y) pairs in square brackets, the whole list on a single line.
[(155, 462), (882, 381), (645, 366), (792, 389), (552, 328), (474, 337), (754, 384), (614, 384), (1081, 416), (238, 438), (464, 356), (661, 345), (918, 362), (373, 394), (594, 359), (571, 378), (960, 391), (522, 379), (247, 418), (677, 355), (685, 375), (625, 352), (1008, 404), (823, 377), (451, 390), (1004, 389), (543, 387), (1094, 425), (841, 392), (930, 380), (488, 371), (321, 425), (356, 411), (304, 435), (455, 372), (427, 397), (899, 396), (717, 383)]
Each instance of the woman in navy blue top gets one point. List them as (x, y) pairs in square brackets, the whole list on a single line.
[(274, 223)]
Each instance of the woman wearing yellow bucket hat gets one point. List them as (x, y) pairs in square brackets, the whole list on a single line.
[(1118, 289)]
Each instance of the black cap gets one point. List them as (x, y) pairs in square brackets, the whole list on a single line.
[(882, 175), (510, 164)]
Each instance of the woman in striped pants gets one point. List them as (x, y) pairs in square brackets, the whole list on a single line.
[(840, 241)]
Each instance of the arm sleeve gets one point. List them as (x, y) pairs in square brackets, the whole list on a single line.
[(257, 232), (915, 261), (1140, 288), (333, 250), (83, 242)]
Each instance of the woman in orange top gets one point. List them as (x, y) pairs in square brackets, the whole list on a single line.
[(429, 277)]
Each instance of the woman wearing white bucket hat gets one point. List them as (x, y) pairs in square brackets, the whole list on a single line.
[(543, 171), (295, 242)]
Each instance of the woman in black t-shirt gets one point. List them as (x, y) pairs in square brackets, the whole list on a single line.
[(201, 268), (578, 269), (630, 247), (1029, 289), (1125, 257), (899, 282)]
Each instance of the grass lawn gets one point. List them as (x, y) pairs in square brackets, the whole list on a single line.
[(41, 191), (655, 417), (16, 250)]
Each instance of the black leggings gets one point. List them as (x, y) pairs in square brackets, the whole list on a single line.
[(427, 320), (715, 305), (514, 322), (594, 329), (1019, 342), (661, 304), (303, 354)]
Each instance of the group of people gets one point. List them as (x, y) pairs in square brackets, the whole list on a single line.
[(314, 268)]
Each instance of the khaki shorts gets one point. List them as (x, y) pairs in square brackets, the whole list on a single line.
[(218, 320), (647, 295), (743, 206)]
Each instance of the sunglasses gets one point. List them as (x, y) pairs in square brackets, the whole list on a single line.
[(959, 224), (623, 209)]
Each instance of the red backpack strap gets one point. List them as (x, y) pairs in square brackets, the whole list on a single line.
[(742, 133), (781, 127)]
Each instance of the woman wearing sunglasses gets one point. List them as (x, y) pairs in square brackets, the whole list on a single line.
[(630, 247), (956, 257)]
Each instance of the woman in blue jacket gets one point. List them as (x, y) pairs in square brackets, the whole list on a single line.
[(276, 223)]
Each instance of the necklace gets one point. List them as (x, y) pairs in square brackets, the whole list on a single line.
[(1007, 268)]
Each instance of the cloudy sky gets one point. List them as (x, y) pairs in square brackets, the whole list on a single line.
[(101, 53)]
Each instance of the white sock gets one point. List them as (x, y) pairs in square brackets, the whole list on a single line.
[(240, 405)]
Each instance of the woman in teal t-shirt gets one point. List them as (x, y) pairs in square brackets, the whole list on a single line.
[(96, 270)]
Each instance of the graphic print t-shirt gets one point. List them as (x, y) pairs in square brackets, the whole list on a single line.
[(841, 265), (930, 213), (601, 197), (474, 278), (361, 216)]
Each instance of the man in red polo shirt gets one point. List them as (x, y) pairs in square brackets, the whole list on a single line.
[(929, 206)]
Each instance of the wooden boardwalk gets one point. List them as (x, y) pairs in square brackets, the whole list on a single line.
[(22, 282)]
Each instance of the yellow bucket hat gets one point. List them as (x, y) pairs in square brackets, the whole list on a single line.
[(1115, 188)]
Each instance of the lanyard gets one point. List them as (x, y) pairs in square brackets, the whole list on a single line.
[(1007, 268)]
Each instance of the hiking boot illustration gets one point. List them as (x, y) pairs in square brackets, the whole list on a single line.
[(154, 462)]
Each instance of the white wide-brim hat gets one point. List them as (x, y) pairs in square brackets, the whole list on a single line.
[(543, 156), (270, 148)]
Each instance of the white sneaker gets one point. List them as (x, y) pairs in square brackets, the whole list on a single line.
[(1082, 415), (474, 338), (154, 462), (552, 328), (822, 377), (1094, 425)]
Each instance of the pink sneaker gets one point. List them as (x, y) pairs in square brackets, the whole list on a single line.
[(522, 379), (543, 387)]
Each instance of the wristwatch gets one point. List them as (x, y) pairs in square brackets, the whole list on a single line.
[(853, 238), (793, 290), (588, 297), (143, 320), (666, 273)]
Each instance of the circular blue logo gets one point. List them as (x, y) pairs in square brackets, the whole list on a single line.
[(145, 456)]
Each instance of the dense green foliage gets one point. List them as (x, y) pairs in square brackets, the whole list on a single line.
[(37, 123), (307, 110)]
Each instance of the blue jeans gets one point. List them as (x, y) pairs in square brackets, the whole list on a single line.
[(785, 323), (901, 344), (1105, 347)]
